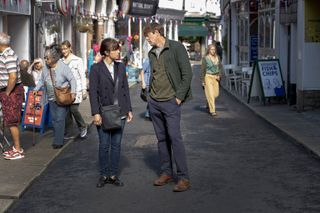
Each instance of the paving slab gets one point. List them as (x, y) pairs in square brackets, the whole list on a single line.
[(5, 204), (303, 127), (17, 179)]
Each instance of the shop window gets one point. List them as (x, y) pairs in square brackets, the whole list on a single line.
[(261, 31), (267, 31)]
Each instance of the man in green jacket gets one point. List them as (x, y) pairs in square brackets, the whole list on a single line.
[(170, 81)]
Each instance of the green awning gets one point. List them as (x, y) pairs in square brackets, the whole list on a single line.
[(192, 30)]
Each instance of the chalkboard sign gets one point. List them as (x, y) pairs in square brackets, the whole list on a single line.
[(267, 73), (35, 114)]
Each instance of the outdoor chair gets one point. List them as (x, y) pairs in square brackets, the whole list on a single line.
[(232, 79), (246, 80)]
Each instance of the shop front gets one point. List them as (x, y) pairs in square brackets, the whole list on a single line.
[(15, 18), (193, 35)]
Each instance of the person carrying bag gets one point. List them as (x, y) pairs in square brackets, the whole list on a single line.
[(56, 74), (63, 94), (111, 108)]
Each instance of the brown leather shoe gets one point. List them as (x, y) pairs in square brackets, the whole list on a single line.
[(182, 185), (162, 180)]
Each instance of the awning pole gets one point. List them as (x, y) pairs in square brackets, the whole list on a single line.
[(140, 43)]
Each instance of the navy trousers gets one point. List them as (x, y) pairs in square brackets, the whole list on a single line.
[(166, 116)]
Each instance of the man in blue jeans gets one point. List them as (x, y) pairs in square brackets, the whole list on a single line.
[(170, 80)]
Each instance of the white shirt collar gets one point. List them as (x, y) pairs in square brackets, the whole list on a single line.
[(110, 68)]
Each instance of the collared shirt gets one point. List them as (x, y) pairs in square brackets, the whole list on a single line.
[(110, 68), (8, 64)]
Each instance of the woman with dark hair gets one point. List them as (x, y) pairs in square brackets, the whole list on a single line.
[(62, 76), (210, 76), (104, 76)]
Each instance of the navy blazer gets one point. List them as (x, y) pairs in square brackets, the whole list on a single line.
[(101, 87)]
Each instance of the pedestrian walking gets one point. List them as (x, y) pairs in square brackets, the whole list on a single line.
[(210, 76), (170, 82), (76, 66), (63, 77), (145, 77), (219, 50), (11, 95), (103, 78)]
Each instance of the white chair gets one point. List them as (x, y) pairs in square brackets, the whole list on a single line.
[(246, 80), (231, 77)]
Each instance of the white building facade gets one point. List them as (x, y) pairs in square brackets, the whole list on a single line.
[(287, 30), (15, 20)]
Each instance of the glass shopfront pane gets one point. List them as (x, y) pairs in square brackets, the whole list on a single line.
[(268, 32), (261, 31)]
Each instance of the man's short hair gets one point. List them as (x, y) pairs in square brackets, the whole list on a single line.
[(4, 39), (24, 65), (151, 28)]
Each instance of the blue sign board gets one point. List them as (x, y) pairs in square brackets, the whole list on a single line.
[(253, 48)]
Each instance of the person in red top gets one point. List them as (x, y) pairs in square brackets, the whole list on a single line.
[(11, 95)]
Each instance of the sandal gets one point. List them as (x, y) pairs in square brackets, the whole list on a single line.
[(214, 114)]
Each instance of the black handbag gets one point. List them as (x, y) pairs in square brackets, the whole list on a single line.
[(111, 117), (144, 95)]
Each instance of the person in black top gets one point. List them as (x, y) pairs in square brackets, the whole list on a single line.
[(219, 50), (26, 78), (103, 78)]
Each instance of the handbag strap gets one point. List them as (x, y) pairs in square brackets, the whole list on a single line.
[(115, 94), (52, 79)]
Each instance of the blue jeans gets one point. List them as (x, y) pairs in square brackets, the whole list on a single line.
[(166, 116), (58, 114), (110, 142)]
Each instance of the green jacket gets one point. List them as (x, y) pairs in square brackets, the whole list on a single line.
[(177, 67)]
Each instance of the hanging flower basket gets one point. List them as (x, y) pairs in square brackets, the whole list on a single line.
[(84, 25), (54, 29)]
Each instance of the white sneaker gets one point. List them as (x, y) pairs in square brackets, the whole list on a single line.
[(14, 155), (83, 132), (9, 152)]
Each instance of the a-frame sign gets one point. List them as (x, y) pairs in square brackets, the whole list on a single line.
[(266, 80)]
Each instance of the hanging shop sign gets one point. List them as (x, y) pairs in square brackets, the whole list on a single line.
[(16, 7), (253, 48), (139, 7)]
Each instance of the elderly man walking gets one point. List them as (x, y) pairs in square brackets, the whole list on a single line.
[(11, 95)]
